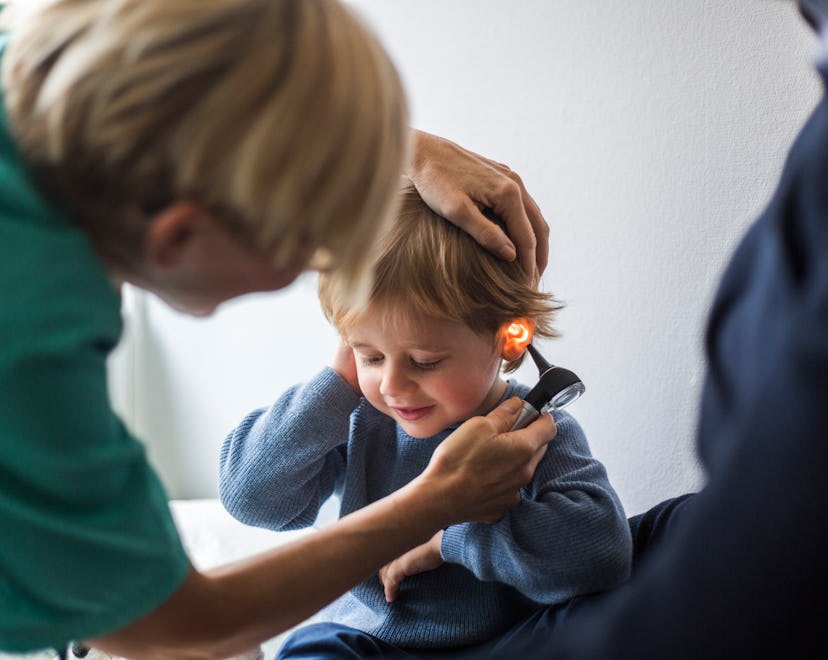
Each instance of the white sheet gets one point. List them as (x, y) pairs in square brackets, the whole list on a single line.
[(212, 537)]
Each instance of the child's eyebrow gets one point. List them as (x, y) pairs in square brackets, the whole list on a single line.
[(435, 348)]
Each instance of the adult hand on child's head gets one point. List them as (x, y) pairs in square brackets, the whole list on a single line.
[(344, 364), (458, 184), (479, 469), (425, 557)]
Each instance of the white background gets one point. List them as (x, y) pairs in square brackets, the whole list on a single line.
[(650, 132)]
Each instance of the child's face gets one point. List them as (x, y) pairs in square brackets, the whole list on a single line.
[(426, 374)]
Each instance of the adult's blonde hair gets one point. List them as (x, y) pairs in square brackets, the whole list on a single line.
[(285, 117), (427, 267)]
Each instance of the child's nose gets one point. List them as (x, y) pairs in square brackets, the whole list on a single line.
[(394, 381)]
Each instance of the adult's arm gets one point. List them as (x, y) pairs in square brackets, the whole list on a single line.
[(459, 184), (474, 475)]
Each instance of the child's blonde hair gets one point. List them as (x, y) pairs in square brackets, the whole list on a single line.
[(429, 268), (284, 117)]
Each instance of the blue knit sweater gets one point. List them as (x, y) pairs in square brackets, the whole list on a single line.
[(568, 537)]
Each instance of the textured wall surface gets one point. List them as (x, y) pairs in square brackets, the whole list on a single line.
[(650, 133)]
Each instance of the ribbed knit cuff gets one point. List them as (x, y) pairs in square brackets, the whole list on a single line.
[(454, 543), (334, 391)]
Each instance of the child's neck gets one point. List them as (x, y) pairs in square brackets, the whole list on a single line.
[(493, 397)]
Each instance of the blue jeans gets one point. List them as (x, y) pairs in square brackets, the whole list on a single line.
[(327, 641)]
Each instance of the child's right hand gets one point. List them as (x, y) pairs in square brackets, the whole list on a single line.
[(344, 364), (423, 558)]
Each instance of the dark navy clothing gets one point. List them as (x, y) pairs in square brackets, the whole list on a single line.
[(333, 641), (740, 570)]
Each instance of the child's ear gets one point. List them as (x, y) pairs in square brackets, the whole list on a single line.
[(516, 336)]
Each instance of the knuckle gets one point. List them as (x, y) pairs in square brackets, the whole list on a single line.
[(508, 188), (457, 207), (508, 171), (514, 176), (479, 424)]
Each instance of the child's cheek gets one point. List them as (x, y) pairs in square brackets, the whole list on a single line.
[(369, 385)]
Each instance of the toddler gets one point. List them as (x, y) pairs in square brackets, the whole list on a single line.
[(424, 354)]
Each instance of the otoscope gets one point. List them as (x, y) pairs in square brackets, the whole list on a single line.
[(556, 389)]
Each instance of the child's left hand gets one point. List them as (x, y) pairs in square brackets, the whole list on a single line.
[(344, 363), (425, 557)]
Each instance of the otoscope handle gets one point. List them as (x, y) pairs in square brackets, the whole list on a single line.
[(557, 388), (528, 414)]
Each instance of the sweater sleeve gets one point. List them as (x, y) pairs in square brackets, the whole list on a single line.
[(569, 536), (278, 467)]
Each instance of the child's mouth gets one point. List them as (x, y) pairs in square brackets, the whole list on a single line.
[(412, 414)]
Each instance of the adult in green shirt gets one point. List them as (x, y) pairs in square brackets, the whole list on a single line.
[(200, 149)]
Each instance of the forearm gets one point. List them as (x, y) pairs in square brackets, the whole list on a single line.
[(473, 475), (230, 610)]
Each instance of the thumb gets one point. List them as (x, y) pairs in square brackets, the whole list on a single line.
[(505, 414)]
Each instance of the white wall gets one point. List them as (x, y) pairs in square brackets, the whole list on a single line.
[(649, 131)]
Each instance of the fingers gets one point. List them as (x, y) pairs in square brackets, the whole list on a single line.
[(390, 576), (534, 438), (526, 443), (344, 364), (536, 458), (537, 436), (423, 558), (482, 465), (505, 414), (541, 229), (533, 248), (503, 192), (391, 592), (457, 183), (470, 219), (524, 224), (508, 204)]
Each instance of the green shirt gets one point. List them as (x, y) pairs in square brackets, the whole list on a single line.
[(87, 542)]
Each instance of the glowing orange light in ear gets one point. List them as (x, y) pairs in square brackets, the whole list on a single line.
[(517, 336), (518, 332)]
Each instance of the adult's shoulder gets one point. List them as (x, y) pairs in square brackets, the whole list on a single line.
[(54, 284)]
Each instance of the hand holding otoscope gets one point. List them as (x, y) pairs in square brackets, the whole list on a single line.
[(556, 389)]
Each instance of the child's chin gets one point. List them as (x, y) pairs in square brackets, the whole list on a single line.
[(419, 431), (426, 429)]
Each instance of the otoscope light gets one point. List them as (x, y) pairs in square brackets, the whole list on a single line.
[(518, 331)]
